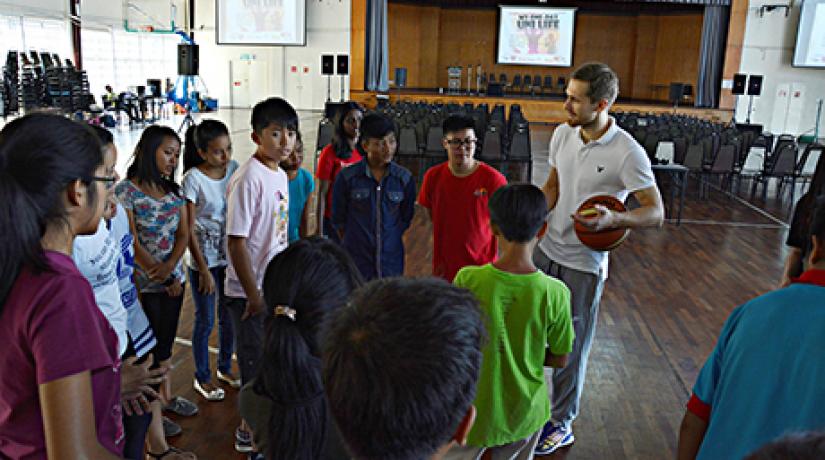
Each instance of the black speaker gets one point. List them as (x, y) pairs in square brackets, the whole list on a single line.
[(155, 86), (342, 61), (187, 59), (327, 64), (677, 90), (755, 85), (739, 81), (400, 77)]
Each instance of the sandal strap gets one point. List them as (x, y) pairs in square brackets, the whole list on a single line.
[(170, 450)]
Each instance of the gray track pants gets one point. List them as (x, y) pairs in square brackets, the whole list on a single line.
[(565, 385)]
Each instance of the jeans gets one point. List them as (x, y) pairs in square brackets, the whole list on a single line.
[(249, 337), (329, 230), (567, 383), (204, 320)]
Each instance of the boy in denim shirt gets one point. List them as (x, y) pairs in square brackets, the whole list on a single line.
[(373, 202)]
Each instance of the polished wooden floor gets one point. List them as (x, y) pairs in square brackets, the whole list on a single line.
[(668, 294)]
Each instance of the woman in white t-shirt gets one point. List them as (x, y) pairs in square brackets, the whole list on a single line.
[(208, 167)]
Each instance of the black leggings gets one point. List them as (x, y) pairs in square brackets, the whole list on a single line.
[(163, 313)]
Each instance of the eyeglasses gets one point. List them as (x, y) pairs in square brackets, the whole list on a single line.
[(109, 182), (459, 143)]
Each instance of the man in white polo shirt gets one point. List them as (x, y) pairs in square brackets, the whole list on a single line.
[(589, 155)]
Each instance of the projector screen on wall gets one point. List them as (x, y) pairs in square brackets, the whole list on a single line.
[(810, 36), (535, 36), (261, 22)]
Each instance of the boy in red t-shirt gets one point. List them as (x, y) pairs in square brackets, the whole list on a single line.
[(455, 194)]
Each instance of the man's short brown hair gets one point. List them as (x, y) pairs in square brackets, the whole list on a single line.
[(602, 81)]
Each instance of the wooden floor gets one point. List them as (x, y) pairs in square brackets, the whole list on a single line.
[(668, 294)]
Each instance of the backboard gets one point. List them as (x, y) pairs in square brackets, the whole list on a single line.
[(154, 16)]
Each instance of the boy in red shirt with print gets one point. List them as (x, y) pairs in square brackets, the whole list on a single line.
[(455, 194)]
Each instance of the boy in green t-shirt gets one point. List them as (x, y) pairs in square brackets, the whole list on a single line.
[(529, 327)]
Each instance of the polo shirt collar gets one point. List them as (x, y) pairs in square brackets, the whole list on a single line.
[(812, 276), (606, 137)]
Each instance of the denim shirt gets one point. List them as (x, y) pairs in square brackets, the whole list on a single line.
[(368, 212)]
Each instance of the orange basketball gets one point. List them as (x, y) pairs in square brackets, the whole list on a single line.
[(603, 240)]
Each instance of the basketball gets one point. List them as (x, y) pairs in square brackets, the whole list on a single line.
[(603, 240)]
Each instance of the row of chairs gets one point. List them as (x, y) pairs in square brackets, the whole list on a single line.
[(715, 150), (533, 85), (504, 142)]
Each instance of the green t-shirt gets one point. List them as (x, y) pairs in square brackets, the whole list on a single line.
[(524, 313)]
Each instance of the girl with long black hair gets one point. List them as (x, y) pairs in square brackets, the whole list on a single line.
[(285, 405), (59, 368), (342, 152), (158, 220)]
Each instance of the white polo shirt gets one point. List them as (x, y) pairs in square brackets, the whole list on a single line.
[(615, 164)]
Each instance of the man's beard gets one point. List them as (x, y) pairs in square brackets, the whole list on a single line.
[(577, 121)]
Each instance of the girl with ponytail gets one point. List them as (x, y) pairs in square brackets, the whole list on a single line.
[(208, 165), (59, 361), (285, 404)]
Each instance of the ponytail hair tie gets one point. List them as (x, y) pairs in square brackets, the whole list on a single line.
[(284, 310)]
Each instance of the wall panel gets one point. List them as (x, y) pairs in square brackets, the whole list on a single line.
[(646, 51)]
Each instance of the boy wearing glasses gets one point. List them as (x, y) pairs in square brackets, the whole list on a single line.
[(455, 195), (373, 202)]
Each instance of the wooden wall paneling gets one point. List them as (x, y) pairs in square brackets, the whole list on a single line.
[(358, 46), (647, 51), (466, 37), (733, 52), (405, 41), (609, 39), (677, 50), (430, 37), (647, 33)]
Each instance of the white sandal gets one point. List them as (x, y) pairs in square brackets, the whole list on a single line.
[(215, 395)]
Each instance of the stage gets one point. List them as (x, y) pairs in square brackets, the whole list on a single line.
[(541, 108)]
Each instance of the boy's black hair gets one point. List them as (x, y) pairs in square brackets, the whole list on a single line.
[(400, 365), (518, 210), (375, 126), (795, 446), (274, 110), (459, 122)]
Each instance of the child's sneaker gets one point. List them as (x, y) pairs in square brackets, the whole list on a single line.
[(553, 437), (243, 440)]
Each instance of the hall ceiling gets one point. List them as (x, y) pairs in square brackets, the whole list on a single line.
[(601, 6)]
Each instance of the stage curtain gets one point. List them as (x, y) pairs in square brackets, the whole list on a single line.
[(712, 55), (691, 2), (377, 41)]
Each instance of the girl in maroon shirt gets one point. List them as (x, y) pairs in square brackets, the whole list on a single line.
[(59, 369)]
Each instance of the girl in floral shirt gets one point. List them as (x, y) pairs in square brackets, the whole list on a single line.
[(158, 219)]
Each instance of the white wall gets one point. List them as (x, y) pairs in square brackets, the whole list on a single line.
[(768, 50), (328, 31)]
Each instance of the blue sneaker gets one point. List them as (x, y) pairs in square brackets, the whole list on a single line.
[(553, 437)]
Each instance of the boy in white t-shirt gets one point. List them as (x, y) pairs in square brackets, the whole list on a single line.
[(106, 260), (256, 226)]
